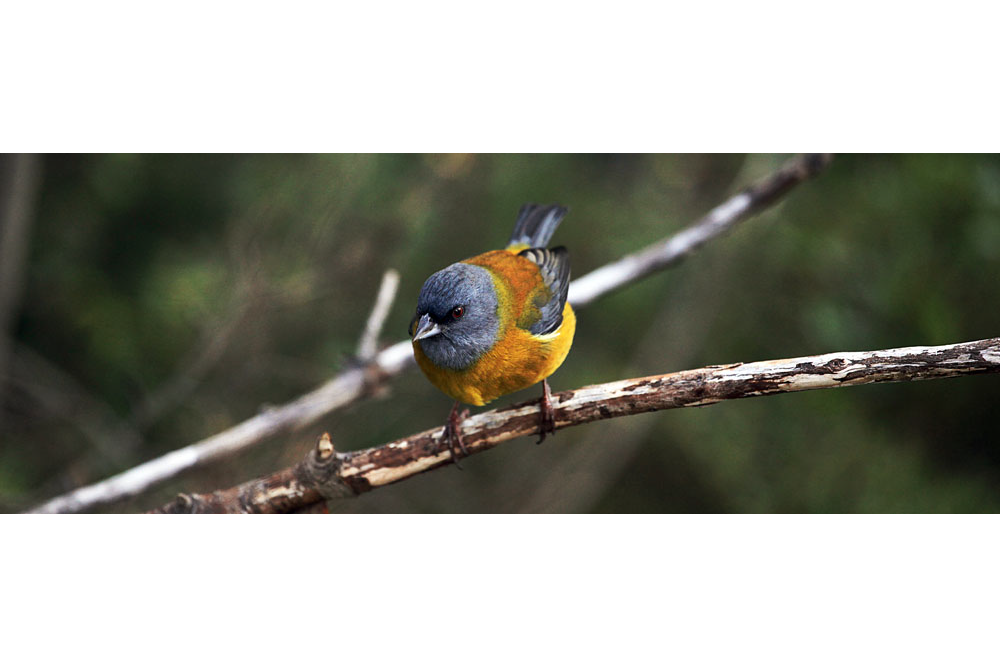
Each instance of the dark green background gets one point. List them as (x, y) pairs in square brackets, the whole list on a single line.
[(219, 285)]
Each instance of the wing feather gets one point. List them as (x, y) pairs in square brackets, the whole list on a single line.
[(553, 264)]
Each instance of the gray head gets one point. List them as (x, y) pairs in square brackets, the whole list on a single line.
[(456, 320)]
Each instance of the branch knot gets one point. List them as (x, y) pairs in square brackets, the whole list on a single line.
[(321, 471)]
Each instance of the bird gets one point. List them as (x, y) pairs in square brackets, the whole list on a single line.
[(498, 322)]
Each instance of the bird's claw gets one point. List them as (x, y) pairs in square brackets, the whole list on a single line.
[(547, 417), (453, 434)]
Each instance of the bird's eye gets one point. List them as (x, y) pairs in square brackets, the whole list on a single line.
[(457, 312)]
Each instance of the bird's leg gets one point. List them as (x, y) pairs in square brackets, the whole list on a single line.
[(453, 433), (547, 422)]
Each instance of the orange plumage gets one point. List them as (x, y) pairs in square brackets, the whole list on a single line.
[(519, 359)]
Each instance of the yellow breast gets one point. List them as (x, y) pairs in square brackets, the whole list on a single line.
[(520, 359)]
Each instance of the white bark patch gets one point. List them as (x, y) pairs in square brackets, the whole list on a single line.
[(384, 476), (279, 493)]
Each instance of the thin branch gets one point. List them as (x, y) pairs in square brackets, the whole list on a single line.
[(356, 383), (368, 344), (719, 220), (326, 474)]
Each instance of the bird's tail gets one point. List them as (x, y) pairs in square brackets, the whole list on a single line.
[(535, 226)]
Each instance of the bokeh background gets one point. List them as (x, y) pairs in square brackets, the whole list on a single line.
[(163, 298)]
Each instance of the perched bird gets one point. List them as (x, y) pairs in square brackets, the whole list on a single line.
[(498, 322)]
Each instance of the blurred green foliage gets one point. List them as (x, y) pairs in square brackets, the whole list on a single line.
[(168, 297)]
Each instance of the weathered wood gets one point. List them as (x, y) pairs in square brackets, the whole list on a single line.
[(328, 474)]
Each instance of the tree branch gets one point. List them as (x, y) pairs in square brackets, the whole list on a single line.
[(719, 220), (326, 474), (355, 383), (368, 344)]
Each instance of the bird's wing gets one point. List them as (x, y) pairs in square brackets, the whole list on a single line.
[(553, 264), (535, 226)]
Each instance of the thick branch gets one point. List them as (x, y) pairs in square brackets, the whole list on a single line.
[(327, 474), (356, 383)]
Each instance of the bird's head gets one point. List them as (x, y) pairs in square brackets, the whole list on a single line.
[(456, 319)]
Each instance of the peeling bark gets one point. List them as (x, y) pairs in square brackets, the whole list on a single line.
[(327, 474)]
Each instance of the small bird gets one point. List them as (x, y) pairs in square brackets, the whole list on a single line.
[(498, 322)]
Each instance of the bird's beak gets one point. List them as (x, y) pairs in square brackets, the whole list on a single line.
[(426, 327)]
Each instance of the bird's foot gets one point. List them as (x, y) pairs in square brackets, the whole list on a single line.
[(453, 434), (547, 419)]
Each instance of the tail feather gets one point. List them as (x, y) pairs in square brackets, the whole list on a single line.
[(535, 225)]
